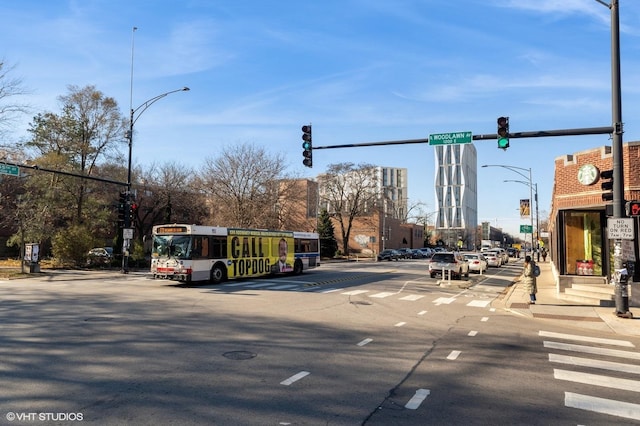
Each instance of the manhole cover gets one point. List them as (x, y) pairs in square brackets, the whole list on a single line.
[(361, 302), (239, 355)]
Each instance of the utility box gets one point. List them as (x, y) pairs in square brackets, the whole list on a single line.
[(32, 257)]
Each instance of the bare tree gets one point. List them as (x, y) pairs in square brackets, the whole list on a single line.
[(10, 88), (87, 131), (167, 194), (245, 186), (349, 191)]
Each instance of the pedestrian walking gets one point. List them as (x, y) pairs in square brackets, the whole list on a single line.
[(529, 279), (544, 254)]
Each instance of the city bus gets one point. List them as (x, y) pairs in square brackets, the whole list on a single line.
[(197, 253)]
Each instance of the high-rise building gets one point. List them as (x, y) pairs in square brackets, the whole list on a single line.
[(392, 183), (456, 194)]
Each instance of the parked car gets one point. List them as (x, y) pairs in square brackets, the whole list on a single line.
[(100, 256), (389, 254), (405, 253), (452, 263), (493, 258), (477, 262), (502, 253), (417, 254), (428, 252)]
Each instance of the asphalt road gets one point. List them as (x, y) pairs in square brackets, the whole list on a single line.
[(346, 344)]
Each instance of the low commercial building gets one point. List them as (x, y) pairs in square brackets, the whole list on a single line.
[(579, 241)]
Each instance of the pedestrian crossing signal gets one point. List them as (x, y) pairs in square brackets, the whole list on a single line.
[(633, 208)]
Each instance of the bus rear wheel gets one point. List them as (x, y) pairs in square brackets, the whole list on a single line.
[(297, 267), (217, 274)]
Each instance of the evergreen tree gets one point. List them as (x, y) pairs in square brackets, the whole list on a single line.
[(328, 243)]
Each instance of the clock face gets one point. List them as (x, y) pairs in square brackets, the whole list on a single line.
[(588, 174)]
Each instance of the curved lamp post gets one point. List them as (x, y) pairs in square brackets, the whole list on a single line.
[(529, 182), (132, 120), (129, 135)]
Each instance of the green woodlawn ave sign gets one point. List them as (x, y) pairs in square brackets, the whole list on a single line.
[(450, 138), (7, 169), (526, 229)]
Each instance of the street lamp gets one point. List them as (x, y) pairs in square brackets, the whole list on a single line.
[(133, 118), (535, 186), (530, 183), (135, 114)]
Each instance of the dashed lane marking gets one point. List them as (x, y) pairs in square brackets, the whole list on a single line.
[(294, 378), (453, 355), (416, 400)]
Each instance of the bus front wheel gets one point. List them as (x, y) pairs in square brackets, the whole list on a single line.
[(217, 274)]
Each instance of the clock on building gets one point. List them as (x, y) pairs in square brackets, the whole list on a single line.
[(588, 174)]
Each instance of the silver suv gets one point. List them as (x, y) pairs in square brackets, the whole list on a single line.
[(452, 263)]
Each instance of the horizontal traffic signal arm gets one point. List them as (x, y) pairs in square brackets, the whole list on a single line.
[(44, 169), (491, 136)]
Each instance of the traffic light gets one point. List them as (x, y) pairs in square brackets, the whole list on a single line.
[(307, 145), (607, 185), (503, 133), (122, 208), (131, 213), (633, 208)]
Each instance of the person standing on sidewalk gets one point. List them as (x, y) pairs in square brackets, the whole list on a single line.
[(529, 279)]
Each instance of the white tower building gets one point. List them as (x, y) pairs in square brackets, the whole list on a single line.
[(456, 194)]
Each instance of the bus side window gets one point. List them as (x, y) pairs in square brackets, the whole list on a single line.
[(205, 248), (219, 247), (196, 251)]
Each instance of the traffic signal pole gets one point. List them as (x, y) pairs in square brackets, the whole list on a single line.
[(620, 276)]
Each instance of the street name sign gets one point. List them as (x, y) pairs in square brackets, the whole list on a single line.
[(526, 229), (620, 228), (450, 138), (7, 169)]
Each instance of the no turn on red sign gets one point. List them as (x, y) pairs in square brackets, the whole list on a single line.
[(620, 228)]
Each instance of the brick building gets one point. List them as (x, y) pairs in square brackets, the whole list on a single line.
[(578, 217)]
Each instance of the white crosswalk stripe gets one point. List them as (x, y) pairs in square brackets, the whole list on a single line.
[(594, 346), (383, 294)]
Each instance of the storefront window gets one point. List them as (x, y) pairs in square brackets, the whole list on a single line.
[(583, 242)]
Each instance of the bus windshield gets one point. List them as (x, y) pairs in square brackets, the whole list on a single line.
[(178, 246)]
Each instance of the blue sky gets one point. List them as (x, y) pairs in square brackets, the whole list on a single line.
[(358, 70)]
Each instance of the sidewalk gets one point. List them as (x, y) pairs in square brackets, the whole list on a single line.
[(550, 307)]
